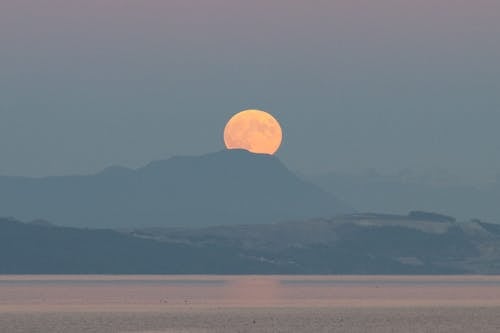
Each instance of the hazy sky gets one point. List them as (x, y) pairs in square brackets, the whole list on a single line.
[(356, 84)]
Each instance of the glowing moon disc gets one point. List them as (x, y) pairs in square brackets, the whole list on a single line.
[(254, 130)]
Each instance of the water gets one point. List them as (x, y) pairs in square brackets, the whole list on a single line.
[(96, 303), (156, 291)]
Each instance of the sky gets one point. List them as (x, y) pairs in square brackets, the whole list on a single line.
[(356, 84)]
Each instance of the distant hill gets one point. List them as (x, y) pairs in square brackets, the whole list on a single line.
[(352, 244), (393, 194), (417, 243), (27, 248), (228, 187)]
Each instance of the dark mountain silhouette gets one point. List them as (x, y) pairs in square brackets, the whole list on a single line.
[(354, 244), (27, 248), (417, 243), (228, 187)]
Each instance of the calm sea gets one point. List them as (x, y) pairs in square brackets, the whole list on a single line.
[(42, 293)]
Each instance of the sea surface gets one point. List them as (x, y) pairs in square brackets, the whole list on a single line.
[(104, 303)]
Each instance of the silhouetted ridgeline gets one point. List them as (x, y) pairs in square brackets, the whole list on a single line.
[(41, 249), (228, 187), (420, 215), (365, 244)]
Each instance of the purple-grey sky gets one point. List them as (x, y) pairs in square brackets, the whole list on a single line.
[(357, 85)]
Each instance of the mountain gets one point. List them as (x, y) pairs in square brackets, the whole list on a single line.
[(227, 187), (352, 244), (374, 193), (27, 248), (417, 243)]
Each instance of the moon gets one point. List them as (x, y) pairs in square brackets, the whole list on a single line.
[(253, 130)]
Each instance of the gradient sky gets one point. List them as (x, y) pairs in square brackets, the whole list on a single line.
[(356, 85)]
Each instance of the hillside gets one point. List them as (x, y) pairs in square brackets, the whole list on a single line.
[(351, 244), (399, 195), (228, 187), (27, 248), (417, 243)]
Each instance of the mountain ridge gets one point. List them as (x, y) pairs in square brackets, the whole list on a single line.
[(226, 187), (350, 244)]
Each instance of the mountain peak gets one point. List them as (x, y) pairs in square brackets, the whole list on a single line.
[(228, 155), (225, 187)]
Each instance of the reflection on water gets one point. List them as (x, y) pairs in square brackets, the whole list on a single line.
[(161, 291)]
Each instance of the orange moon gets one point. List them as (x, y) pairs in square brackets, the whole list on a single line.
[(254, 130)]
